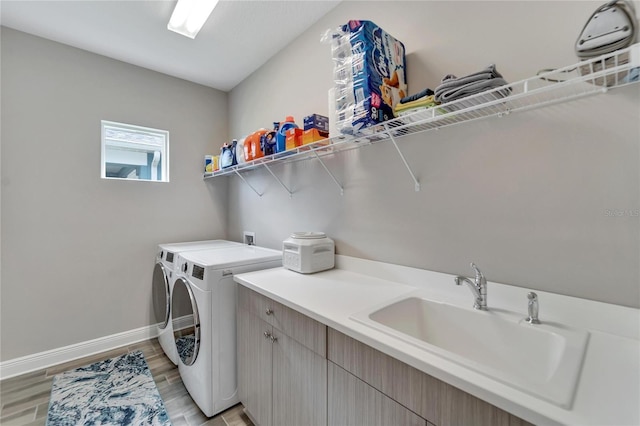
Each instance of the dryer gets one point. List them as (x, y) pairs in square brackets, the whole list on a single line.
[(206, 341), (162, 286)]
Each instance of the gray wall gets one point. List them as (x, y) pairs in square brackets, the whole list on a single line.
[(524, 196), (78, 250)]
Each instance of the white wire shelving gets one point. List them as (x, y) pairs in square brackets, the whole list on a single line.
[(586, 78)]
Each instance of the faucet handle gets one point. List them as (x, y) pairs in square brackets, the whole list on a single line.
[(533, 307), (479, 275)]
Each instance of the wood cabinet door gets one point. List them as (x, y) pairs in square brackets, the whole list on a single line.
[(353, 402), (299, 384), (254, 366)]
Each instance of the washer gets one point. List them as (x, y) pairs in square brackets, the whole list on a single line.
[(162, 286), (206, 338)]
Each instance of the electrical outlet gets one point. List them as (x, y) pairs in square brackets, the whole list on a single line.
[(249, 238)]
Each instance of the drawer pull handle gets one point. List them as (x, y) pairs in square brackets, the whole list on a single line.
[(268, 335), (269, 311)]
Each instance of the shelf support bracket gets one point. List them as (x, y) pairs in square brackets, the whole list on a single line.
[(248, 184), (404, 160), (329, 172), (278, 179)]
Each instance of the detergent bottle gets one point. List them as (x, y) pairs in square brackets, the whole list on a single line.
[(281, 137), (268, 140), (228, 154), (240, 154), (252, 148)]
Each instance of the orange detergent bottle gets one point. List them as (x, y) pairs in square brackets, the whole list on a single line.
[(252, 148)]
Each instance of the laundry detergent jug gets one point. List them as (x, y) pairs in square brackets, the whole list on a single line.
[(252, 149), (281, 138), (268, 140), (228, 154), (240, 155)]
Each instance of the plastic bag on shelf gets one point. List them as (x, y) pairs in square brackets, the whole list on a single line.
[(369, 74)]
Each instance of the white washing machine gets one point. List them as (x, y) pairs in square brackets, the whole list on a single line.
[(206, 340), (162, 286)]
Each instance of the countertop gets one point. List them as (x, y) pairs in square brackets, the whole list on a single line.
[(608, 388)]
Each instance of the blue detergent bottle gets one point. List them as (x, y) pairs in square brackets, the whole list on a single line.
[(268, 140), (281, 137)]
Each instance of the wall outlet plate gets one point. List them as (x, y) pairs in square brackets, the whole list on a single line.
[(249, 238)]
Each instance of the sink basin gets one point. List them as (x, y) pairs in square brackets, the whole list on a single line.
[(543, 360)]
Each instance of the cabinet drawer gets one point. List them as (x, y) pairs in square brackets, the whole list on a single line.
[(252, 302), (299, 327), (433, 399)]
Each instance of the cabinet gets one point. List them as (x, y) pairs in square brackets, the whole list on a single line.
[(293, 370), (353, 402), (431, 399), (282, 365), (254, 366)]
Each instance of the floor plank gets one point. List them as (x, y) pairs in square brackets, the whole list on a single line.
[(24, 400)]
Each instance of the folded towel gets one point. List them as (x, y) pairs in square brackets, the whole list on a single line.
[(453, 88), (428, 101), (450, 80), (474, 88), (471, 101), (422, 94)]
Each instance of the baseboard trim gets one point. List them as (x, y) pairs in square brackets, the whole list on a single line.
[(38, 361), (183, 322)]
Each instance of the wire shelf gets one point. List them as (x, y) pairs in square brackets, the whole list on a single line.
[(589, 77)]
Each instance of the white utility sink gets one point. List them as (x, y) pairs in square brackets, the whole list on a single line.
[(543, 360)]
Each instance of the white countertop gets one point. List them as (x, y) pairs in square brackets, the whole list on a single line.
[(608, 390)]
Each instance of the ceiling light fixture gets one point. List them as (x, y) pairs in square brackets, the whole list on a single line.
[(190, 15)]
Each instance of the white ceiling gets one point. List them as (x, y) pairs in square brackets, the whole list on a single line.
[(237, 39)]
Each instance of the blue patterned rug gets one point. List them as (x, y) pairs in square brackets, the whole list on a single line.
[(118, 391)]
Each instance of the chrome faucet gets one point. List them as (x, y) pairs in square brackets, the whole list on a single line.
[(533, 309), (478, 288)]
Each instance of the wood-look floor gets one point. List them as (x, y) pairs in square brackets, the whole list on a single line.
[(24, 400)]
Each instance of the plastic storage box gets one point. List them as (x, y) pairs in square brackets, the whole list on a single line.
[(308, 252)]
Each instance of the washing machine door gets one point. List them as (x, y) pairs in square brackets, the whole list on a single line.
[(186, 321), (161, 295)]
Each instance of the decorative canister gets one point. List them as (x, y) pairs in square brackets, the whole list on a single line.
[(308, 252)]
